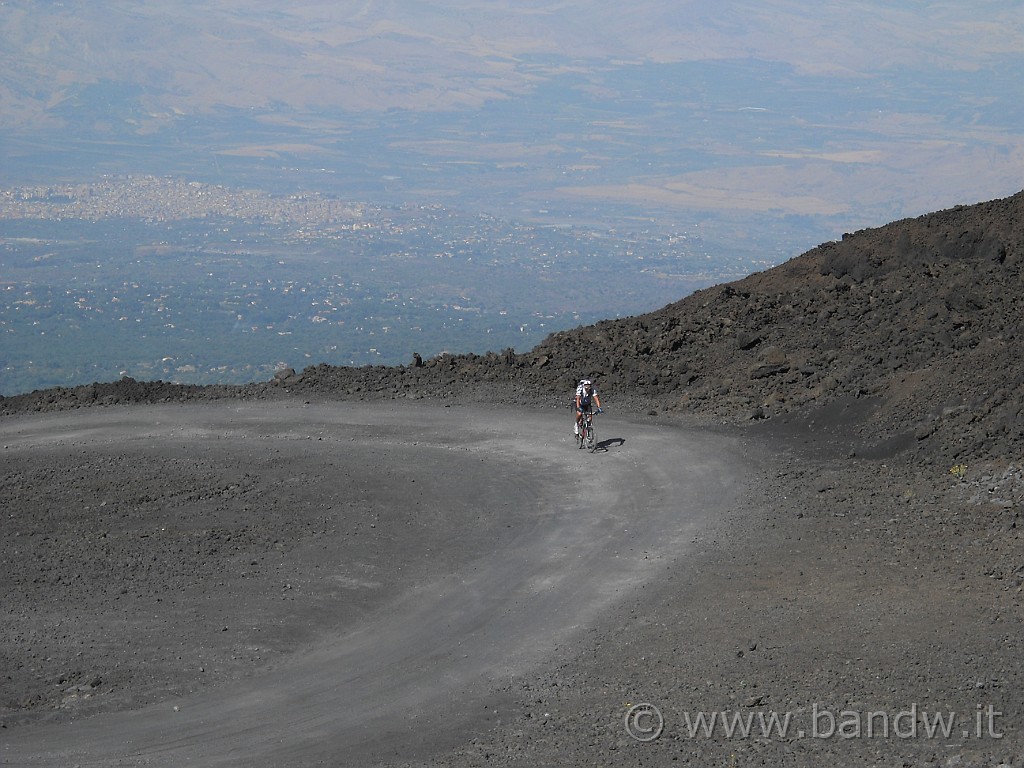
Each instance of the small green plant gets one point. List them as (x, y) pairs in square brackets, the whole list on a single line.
[(958, 471)]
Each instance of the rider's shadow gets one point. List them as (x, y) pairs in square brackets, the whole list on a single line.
[(603, 445)]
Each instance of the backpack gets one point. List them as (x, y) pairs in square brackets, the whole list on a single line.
[(581, 393)]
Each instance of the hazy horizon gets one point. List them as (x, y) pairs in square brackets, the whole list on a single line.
[(856, 112), (747, 131)]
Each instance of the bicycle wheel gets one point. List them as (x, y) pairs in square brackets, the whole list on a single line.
[(591, 437)]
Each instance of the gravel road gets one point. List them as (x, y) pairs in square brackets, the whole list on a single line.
[(340, 584)]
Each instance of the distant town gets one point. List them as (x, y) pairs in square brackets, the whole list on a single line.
[(164, 278), (153, 200)]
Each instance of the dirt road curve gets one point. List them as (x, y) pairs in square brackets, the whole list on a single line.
[(459, 548)]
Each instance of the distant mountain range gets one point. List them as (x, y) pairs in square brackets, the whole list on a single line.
[(188, 58), (835, 116)]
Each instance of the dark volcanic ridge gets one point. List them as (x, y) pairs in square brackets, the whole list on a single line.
[(903, 337)]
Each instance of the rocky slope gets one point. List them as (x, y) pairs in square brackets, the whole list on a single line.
[(918, 320)]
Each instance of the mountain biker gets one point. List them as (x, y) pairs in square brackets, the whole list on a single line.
[(586, 399)]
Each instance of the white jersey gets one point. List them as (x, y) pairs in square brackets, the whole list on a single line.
[(580, 393)]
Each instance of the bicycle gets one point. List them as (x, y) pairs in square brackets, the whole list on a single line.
[(588, 434)]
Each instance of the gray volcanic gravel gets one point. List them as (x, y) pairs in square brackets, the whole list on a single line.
[(156, 556), (269, 584), (837, 440)]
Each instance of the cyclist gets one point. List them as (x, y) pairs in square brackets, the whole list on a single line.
[(586, 399)]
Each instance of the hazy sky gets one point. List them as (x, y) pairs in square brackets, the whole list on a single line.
[(848, 113)]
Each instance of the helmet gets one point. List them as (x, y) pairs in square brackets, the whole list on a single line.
[(586, 383)]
